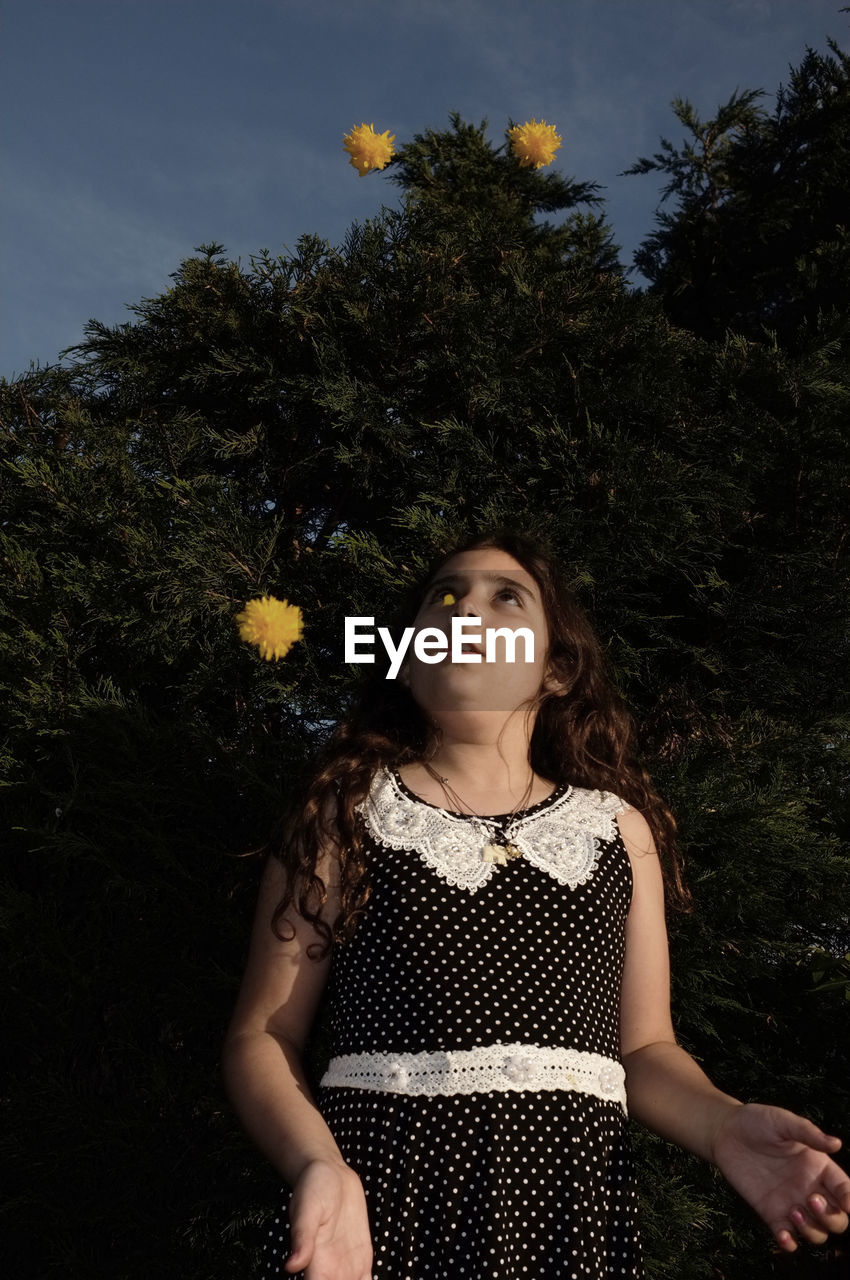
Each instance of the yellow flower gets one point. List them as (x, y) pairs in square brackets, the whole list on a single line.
[(534, 143), (272, 625), (368, 150)]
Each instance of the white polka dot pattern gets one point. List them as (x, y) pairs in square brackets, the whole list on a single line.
[(503, 1184)]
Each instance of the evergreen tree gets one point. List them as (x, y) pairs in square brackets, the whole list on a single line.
[(759, 238), (315, 428)]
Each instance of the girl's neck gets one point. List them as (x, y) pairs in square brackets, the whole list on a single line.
[(481, 792), (483, 765)]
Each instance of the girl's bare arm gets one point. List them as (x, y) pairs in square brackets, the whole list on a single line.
[(667, 1090), (778, 1161), (262, 1052), (265, 1081)]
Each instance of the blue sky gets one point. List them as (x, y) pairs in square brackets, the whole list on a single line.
[(138, 129)]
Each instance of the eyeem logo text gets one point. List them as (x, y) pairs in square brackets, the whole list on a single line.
[(431, 644)]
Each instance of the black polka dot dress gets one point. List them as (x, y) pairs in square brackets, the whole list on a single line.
[(475, 1084)]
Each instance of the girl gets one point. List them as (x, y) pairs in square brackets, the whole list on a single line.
[(480, 849)]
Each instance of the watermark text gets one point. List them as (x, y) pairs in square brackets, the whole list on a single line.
[(431, 643)]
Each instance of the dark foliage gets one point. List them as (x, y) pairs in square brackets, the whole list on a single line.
[(315, 427)]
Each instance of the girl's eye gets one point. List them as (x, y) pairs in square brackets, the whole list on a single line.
[(448, 597)]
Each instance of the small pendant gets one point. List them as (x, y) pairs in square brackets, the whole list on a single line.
[(499, 853)]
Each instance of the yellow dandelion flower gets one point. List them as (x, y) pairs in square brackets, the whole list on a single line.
[(367, 149), (534, 143), (272, 625)]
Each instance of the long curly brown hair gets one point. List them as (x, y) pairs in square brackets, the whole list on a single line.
[(585, 736)]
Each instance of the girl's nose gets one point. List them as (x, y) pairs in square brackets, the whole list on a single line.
[(466, 608)]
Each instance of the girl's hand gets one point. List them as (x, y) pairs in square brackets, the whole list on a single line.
[(329, 1224), (777, 1161)]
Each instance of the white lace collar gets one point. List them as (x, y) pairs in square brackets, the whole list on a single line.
[(562, 838)]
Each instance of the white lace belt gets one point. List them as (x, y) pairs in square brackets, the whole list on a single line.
[(480, 1070)]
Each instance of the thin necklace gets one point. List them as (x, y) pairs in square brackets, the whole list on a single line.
[(491, 852)]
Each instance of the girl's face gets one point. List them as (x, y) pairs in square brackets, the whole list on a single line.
[(491, 585)]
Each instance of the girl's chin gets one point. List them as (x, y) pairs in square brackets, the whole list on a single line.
[(494, 686), (459, 693)]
